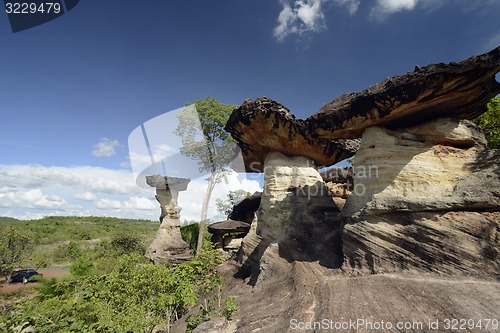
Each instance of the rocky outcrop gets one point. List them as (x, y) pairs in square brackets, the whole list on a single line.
[(448, 243), (425, 198), (440, 165), (421, 226), (297, 219), (168, 245), (263, 126), (456, 89), (246, 208)]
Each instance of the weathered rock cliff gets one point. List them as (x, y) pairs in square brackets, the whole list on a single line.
[(426, 198)]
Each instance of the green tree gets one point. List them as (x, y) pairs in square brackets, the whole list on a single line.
[(16, 246), (205, 140), (490, 123), (226, 206)]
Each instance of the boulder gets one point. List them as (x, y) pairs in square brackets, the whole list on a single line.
[(439, 90), (219, 229)]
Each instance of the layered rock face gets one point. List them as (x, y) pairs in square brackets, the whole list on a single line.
[(425, 197), (440, 165), (296, 220), (168, 245)]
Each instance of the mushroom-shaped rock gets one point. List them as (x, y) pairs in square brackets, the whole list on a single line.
[(168, 245), (455, 89), (263, 126), (219, 229)]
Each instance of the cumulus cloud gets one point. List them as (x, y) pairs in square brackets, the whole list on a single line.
[(33, 191), (86, 196), (306, 16), (105, 148), (384, 8), (31, 198), (190, 200), (108, 204)]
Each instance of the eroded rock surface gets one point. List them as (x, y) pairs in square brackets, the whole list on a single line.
[(297, 219), (447, 243), (168, 245), (426, 198), (263, 126), (440, 165), (455, 89)]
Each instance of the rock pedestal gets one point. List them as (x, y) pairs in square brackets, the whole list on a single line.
[(297, 219), (168, 246)]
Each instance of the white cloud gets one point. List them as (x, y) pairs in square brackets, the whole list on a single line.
[(190, 200), (306, 16), (86, 196), (33, 191), (384, 8), (108, 204), (141, 203), (105, 148), (30, 198), (393, 6)]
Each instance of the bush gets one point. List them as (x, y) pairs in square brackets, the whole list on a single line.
[(490, 123), (135, 296)]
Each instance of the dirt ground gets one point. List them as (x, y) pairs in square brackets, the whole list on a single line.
[(50, 272)]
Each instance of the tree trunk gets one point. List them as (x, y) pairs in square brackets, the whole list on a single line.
[(204, 209)]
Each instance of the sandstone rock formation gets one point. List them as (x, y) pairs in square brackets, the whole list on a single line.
[(296, 220), (168, 245), (263, 126), (426, 198), (456, 89), (440, 165), (418, 238), (246, 208), (220, 229)]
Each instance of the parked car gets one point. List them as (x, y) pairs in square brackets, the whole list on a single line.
[(23, 275)]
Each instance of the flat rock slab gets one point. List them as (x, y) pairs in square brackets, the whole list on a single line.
[(229, 226), (263, 126), (456, 89)]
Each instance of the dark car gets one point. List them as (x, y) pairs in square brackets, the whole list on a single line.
[(23, 275)]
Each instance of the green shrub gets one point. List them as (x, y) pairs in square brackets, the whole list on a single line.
[(490, 123)]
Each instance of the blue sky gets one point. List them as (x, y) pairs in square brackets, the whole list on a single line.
[(73, 89)]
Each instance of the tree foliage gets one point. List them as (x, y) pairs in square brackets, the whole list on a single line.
[(205, 140), (135, 296), (226, 206), (203, 136), (490, 123), (16, 245)]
